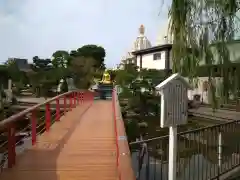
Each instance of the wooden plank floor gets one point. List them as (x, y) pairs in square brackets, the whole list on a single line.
[(80, 147)]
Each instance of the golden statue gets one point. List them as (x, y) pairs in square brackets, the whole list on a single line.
[(106, 79)]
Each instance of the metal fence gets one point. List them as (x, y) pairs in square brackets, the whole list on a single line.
[(202, 154)]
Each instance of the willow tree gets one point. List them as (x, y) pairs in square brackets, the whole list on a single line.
[(195, 25)]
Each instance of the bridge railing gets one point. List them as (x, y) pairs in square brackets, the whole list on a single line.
[(123, 156), (20, 130), (206, 153)]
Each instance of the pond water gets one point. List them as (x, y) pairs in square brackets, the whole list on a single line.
[(197, 158), (26, 143)]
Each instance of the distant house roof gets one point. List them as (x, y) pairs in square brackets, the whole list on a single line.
[(153, 49)]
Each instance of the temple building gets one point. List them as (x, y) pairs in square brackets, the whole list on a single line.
[(158, 56), (140, 43)]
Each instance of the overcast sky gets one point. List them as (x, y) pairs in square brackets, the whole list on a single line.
[(40, 27)]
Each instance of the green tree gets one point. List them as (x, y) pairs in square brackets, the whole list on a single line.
[(4, 75), (127, 75), (138, 88), (42, 78), (85, 63), (18, 77), (60, 59), (41, 64), (96, 52)]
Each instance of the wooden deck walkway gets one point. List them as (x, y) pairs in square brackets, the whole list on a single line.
[(79, 147)]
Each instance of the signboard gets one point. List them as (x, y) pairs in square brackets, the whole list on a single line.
[(174, 101)]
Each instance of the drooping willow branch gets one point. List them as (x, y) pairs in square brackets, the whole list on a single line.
[(195, 25)]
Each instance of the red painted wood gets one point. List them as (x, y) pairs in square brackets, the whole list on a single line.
[(11, 146), (57, 110), (48, 117), (15, 117), (65, 105), (71, 102), (34, 127)]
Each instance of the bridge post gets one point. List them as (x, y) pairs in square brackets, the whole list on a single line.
[(57, 110), (83, 97), (11, 146), (65, 105), (78, 98), (75, 98), (34, 126), (48, 117), (70, 102)]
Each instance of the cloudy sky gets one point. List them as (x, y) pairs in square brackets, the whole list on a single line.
[(40, 27)]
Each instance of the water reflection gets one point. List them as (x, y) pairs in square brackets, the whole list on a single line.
[(25, 143)]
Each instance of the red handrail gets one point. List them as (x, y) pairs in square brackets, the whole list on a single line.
[(15, 117), (123, 158), (116, 130), (75, 97)]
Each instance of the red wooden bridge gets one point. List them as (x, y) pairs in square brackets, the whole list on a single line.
[(86, 141)]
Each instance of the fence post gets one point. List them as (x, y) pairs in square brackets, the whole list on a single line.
[(220, 143)]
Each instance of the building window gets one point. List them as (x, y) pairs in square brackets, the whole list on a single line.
[(156, 56)]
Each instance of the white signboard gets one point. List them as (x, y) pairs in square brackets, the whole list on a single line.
[(174, 101)]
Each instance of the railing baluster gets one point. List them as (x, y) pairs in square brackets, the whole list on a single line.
[(71, 103), (65, 105), (9, 124), (81, 95), (48, 117), (11, 146), (34, 126), (75, 98), (57, 110), (79, 98)]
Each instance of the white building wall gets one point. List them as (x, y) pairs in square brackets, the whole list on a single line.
[(149, 63), (199, 89)]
